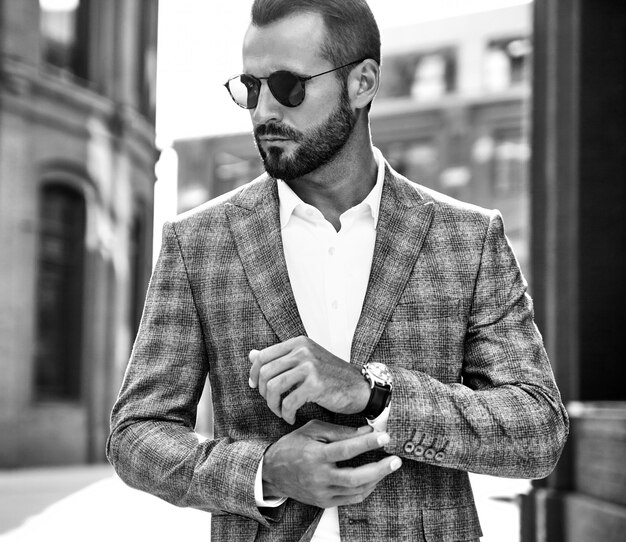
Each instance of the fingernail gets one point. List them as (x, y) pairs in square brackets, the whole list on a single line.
[(251, 383), (396, 463), (383, 439), (252, 354), (364, 430)]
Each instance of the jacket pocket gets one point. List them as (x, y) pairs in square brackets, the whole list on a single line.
[(233, 528), (451, 524)]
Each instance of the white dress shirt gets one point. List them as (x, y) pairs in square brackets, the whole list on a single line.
[(329, 271)]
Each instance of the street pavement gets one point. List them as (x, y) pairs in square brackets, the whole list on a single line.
[(91, 503)]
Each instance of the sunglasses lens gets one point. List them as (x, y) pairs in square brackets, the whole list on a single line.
[(245, 90), (286, 88)]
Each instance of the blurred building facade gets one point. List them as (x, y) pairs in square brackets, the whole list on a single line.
[(451, 114), (77, 156), (578, 198)]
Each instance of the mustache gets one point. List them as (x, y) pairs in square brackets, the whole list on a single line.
[(276, 129)]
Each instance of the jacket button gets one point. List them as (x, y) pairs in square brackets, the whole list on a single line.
[(409, 446), (440, 456), (419, 450), (430, 454)]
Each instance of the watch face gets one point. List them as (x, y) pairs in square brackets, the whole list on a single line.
[(379, 372)]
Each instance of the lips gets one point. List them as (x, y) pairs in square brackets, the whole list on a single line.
[(272, 133)]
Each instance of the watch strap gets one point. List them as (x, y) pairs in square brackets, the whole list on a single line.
[(378, 401)]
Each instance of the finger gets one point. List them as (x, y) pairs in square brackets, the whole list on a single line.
[(278, 350), (348, 491), (347, 449), (372, 473), (297, 398), (271, 370), (343, 496), (277, 387), (346, 500), (330, 432), (253, 378), (261, 357)]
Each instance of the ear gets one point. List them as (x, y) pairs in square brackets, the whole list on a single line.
[(363, 83)]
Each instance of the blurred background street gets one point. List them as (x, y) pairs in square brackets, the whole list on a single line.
[(75, 504)]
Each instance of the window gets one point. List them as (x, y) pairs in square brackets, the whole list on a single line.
[(60, 294), (421, 76), (507, 63), (147, 58), (510, 163), (418, 160), (64, 35)]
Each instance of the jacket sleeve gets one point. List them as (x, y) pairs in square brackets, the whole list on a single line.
[(152, 444), (506, 418)]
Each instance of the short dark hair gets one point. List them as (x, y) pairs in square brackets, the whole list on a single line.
[(352, 30)]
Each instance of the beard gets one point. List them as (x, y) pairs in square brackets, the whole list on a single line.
[(315, 147)]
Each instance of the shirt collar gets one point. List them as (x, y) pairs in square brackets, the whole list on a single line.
[(289, 200)]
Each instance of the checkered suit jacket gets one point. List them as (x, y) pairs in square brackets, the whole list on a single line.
[(446, 310)]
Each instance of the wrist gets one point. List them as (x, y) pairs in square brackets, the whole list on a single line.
[(358, 395), (363, 394), (263, 495), (270, 490)]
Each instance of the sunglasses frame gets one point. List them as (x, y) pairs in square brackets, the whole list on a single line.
[(300, 78)]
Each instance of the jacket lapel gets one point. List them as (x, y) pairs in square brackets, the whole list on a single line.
[(254, 221), (404, 220)]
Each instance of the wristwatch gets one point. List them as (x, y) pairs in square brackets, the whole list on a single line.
[(381, 382)]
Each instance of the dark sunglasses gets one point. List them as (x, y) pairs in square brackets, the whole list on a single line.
[(286, 87)]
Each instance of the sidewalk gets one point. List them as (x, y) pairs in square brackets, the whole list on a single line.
[(91, 503)]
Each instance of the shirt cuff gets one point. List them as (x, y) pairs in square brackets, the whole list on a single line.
[(262, 502), (380, 422)]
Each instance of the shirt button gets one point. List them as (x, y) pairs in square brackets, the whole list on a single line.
[(440, 456), (409, 446), (430, 454), (331, 251), (335, 304)]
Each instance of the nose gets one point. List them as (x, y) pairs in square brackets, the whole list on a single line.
[(267, 108)]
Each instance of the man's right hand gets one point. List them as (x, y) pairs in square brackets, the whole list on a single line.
[(302, 465)]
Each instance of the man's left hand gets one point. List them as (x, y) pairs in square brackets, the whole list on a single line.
[(313, 375)]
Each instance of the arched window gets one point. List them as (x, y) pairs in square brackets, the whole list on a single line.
[(60, 293)]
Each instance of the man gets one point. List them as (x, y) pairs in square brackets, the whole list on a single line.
[(328, 293)]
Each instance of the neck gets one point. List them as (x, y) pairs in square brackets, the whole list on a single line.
[(342, 183)]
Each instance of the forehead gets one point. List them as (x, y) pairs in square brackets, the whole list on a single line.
[(293, 43)]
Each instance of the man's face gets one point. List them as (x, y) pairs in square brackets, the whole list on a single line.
[(294, 141), (312, 147)]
